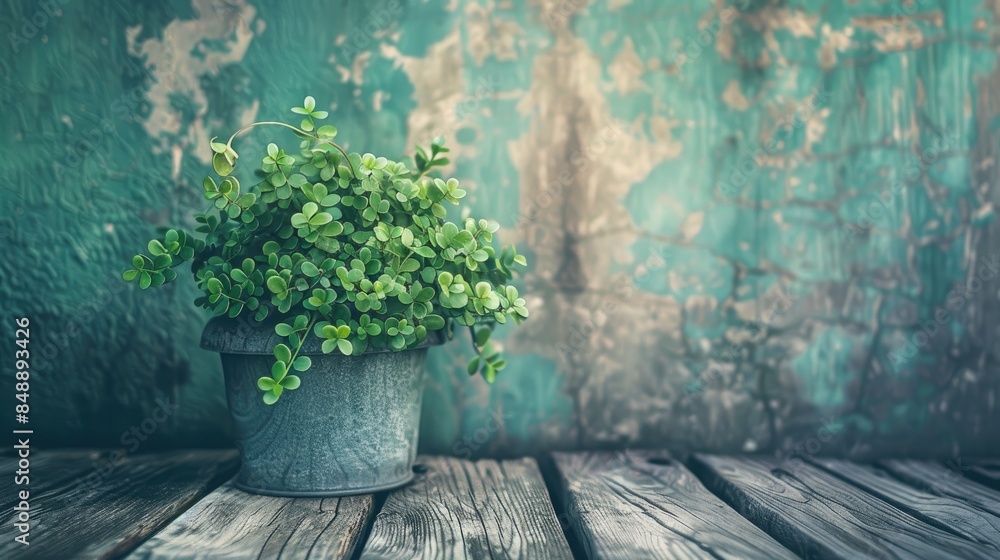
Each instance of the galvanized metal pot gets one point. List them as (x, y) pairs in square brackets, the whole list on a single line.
[(350, 428)]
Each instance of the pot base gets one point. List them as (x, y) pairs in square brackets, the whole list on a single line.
[(326, 493)]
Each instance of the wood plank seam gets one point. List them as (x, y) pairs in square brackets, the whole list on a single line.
[(950, 514), (641, 504), (818, 515)]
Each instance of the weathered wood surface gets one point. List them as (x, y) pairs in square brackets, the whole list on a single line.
[(945, 481), (107, 515), (985, 472), (49, 468), (952, 514), (230, 523), (818, 515), (463, 509), (641, 504)]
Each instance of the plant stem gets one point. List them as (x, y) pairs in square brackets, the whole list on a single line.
[(299, 131), (472, 332), (302, 342)]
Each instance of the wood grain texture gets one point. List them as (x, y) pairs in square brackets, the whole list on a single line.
[(463, 509), (945, 481), (52, 466), (985, 472), (49, 468), (643, 505), (817, 515), (107, 515), (946, 512), (230, 523)]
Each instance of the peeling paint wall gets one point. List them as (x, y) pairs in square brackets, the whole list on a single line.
[(746, 220)]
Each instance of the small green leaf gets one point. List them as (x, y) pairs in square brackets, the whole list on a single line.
[(221, 165), (301, 363), (345, 346), (161, 261), (271, 247), (277, 284), (425, 252), (214, 285), (282, 353), (433, 322), (279, 369), (482, 337), (309, 209), (409, 265), (483, 289), (309, 269), (291, 382), (265, 383)]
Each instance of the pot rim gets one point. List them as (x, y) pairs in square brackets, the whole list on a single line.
[(231, 336)]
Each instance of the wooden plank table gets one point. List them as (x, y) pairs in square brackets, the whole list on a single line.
[(86, 509), (460, 509), (611, 504), (818, 515), (645, 505)]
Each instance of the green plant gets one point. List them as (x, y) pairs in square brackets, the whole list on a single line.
[(354, 249)]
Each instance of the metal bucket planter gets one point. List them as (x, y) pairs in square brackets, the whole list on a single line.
[(351, 428)]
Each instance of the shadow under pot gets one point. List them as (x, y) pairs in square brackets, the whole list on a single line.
[(350, 428)]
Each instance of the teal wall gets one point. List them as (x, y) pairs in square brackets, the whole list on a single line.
[(738, 214)]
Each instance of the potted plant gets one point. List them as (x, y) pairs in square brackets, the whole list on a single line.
[(345, 267)]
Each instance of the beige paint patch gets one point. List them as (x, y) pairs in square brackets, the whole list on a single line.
[(663, 132), (627, 69), (724, 41), (900, 32), (816, 127), (833, 41), (439, 90), (490, 34), (766, 21), (897, 33), (692, 225), (733, 97), (573, 218), (797, 22), (179, 60)]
